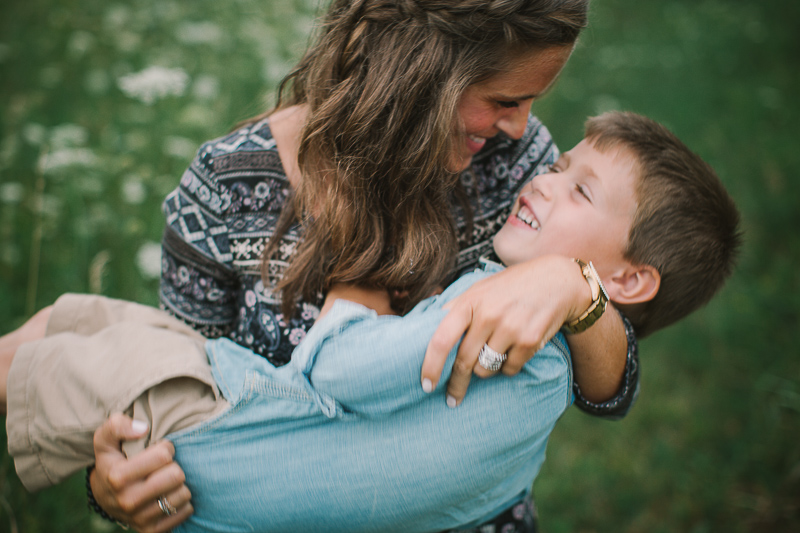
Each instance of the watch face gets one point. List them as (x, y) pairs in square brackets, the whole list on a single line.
[(592, 280)]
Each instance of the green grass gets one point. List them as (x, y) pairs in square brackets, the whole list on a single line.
[(711, 444)]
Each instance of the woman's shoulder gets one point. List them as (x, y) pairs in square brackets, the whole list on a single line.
[(250, 147), (237, 173)]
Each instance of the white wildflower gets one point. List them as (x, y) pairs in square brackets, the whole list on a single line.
[(79, 43), (68, 157), (154, 83), (133, 191), (206, 87), (34, 133), (198, 32), (180, 147), (11, 192), (148, 259), (274, 70), (68, 135), (116, 16)]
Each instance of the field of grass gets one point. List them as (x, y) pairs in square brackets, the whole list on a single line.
[(102, 105)]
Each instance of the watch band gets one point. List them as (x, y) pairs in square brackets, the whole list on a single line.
[(599, 300)]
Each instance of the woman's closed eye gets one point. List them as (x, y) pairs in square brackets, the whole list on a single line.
[(509, 104)]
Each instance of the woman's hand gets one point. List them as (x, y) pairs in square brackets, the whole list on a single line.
[(129, 489), (516, 311)]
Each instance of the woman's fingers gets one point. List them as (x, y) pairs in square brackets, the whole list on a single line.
[(515, 311), (450, 329), (153, 478), (153, 519), (129, 489)]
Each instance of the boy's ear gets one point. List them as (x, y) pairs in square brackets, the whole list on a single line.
[(634, 284)]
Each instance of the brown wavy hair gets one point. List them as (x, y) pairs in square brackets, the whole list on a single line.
[(382, 82)]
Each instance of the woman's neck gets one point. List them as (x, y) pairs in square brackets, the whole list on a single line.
[(286, 125)]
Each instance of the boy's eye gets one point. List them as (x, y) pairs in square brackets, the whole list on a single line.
[(507, 103), (553, 168), (582, 191)]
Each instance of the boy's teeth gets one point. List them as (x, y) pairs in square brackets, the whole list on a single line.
[(525, 215)]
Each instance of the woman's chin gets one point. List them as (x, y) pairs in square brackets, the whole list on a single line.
[(460, 163)]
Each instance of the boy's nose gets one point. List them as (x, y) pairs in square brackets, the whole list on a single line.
[(543, 185)]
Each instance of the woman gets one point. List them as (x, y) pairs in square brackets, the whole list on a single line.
[(391, 163)]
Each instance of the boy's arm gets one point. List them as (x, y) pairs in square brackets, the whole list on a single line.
[(599, 372), (616, 407), (370, 364)]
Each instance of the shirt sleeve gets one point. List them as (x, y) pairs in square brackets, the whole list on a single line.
[(618, 406), (198, 283), (370, 364)]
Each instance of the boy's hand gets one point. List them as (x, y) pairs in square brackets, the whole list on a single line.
[(515, 311), (129, 489)]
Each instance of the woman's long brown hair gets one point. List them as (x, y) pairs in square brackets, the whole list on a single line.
[(382, 84)]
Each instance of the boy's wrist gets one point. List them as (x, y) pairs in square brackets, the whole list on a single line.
[(584, 316)]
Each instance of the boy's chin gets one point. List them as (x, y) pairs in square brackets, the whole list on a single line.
[(508, 256), (507, 248)]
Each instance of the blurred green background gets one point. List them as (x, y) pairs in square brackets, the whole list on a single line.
[(102, 105)]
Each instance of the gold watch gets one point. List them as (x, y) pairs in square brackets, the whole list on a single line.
[(599, 300)]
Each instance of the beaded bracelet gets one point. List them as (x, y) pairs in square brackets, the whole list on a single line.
[(94, 506)]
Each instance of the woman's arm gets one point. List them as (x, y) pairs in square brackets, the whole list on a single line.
[(198, 288), (517, 311)]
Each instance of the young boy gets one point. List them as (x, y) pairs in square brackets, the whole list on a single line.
[(630, 198)]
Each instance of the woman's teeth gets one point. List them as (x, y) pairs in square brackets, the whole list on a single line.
[(527, 216)]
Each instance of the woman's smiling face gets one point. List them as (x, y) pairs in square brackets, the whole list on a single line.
[(582, 208), (502, 102)]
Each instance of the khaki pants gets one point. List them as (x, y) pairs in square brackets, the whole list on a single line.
[(101, 356)]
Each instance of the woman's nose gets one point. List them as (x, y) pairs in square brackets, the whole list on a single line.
[(515, 121)]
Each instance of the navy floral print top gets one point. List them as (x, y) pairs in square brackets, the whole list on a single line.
[(225, 210)]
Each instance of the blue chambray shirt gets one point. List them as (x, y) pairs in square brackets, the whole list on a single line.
[(343, 438)]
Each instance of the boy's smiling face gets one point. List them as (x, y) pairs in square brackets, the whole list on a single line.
[(582, 208)]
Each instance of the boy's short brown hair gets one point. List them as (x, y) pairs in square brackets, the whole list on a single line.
[(685, 225)]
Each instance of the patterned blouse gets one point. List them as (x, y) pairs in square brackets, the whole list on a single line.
[(224, 212)]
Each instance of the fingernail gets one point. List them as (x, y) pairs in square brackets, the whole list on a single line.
[(138, 426), (451, 401), (427, 386)]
